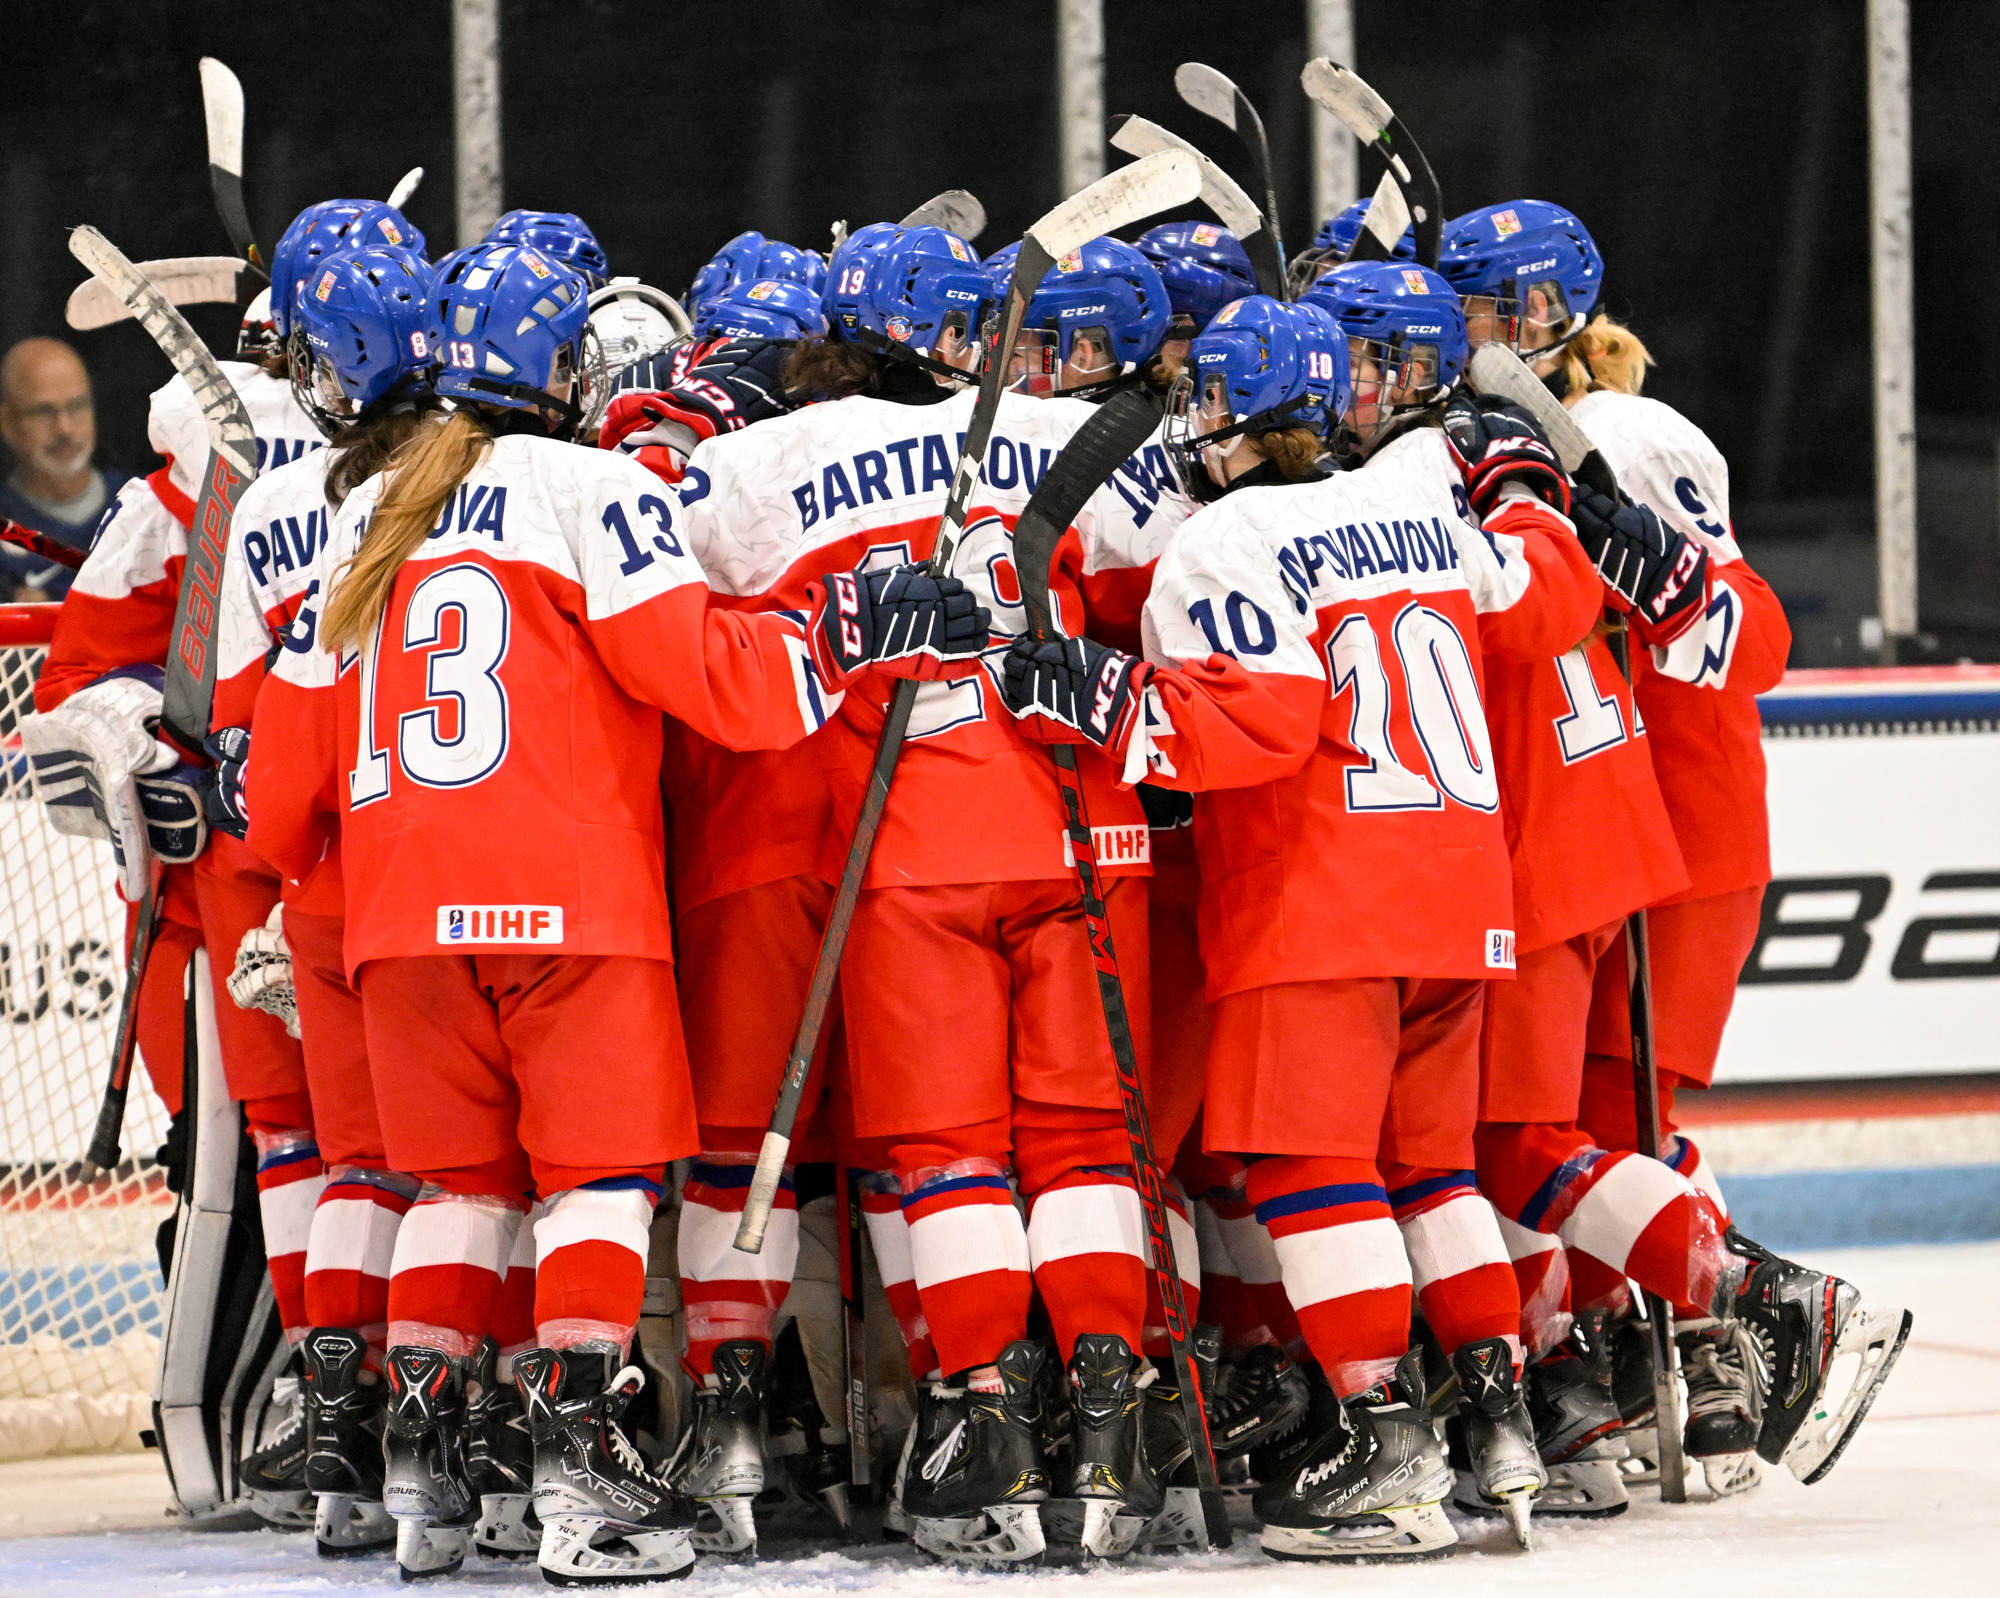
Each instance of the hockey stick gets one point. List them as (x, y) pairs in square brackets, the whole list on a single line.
[(105, 1136), (1115, 200), (183, 279), (406, 186), (854, 1321), (1216, 96), (40, 545), (1497, 371), (222, 111), (1219, 192), (1382, 224), (188, 694), (957, 210), (1100, 447), (1370, 119)]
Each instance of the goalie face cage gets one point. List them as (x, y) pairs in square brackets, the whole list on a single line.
[(80, 1290)]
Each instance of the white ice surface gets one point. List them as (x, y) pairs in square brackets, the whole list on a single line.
[(1912, 1511)]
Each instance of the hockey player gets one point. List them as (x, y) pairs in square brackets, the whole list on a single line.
[(1204, 268), (1333, 242), (749, 258), (972, 1022), (1715, 635), (562, 234), (1369, 583), (512, 609), (1094, 325)]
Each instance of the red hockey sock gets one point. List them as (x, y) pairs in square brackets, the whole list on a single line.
[(1458, 1260), (450, 1252), (590, 1262), (1088, 1243), (729, 1295), (889, 1236), (290, 1179), (350, 1249)]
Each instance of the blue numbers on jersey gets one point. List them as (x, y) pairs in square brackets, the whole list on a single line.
[(1250, 628), (1691, 502), (655, 510)]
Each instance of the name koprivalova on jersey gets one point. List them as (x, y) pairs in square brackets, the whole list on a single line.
[(500, 923)]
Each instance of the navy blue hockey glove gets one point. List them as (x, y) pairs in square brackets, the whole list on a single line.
[(171, 804), (1167, 809), (719, 386), (903, 619), (1657, 571), (1072, 690), (222, 793), (1495, 443)]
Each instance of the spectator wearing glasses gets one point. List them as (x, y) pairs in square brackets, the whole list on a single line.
[(49, 424)]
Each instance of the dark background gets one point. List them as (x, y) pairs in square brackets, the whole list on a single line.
[(1716, 150)]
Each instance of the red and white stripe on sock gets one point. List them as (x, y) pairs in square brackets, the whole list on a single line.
[(729, 1295), (350, 1249), (1458, 1260), (889, 1235), (1093, 1262), (450, 1253), (590, 1262), (1541, 1276), (1342, 1258), (1681, 1155), (1638, 1218), (969, 1259), (1225, 1299), (514, 1305), (290, 1177)]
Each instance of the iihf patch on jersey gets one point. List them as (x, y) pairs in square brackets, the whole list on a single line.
[(506, 923), (1500, 949), (1121, 846)]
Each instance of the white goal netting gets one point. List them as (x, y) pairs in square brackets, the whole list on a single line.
[(80, 1294)]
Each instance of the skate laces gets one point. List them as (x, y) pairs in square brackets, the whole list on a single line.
[(941, 1456), (1716, 1382)]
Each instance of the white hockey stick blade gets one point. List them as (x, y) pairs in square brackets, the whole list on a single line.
[(1366, 114), (222, 109), (1207, 91), (956, 210), (184, 279), (1219, 191), (229, 423), (406, 186), (1388, 214), (1498, 373), (1148, 186)]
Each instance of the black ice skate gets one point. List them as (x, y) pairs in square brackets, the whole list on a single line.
[(1363, 1480), (973, 1480), (720, 1460), (343, 1468), (1256, 1398), (811, 1454), (500, 1461), (424, 1483), (1108, 1501), (1631, 1355), (1805, 1322), (274, 1477), (1725, 1372), (1505, 1472), (1577, 1425), (605, 1516)]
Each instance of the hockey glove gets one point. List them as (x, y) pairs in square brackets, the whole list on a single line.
[(1656, 571), (903, 619), (1499, 443), (262, 979), (223, 795), (1071, 690), (176, 820), (720, 386)]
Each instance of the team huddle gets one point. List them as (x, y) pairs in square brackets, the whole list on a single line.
[(558, 643)]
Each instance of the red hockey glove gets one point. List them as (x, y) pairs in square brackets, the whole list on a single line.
[(1071, 690), (1495, 443), (904, 620), (718, 386)]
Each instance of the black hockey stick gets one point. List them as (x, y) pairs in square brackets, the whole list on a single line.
[(1219, 192), (1115, 200), (1370, 119), (854, 1323), (1100, 447), (222, 111), (1497, 371), (1216, 96), (107, 1134)]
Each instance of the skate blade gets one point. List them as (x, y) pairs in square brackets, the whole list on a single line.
[(725, 1527), (345, 1526), (1641, 1465), (1872, 1339), (507, 1526), (1730, 1474), (1180, 1526), (425, 1549), (1516, 1497), (288, 1511), (1408, 1531), (839, 1503), (571, 1556), (1107, 1531), (1583, 1489), (1519, 1505), (1002, 1534)]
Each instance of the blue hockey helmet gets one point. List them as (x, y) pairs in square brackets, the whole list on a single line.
[(1202, 265), (511, 329), (1104, 293), (561, 234), (1406, 338), (1260, 364), (750, 258), (847, 267), (360, 333), (1528, 272), (917, 285), (768, 308), (325, 229), (1333, 241)]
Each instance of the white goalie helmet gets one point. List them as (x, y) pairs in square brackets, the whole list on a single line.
[(634, 320)]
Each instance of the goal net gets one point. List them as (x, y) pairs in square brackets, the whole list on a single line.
[(80, 1288)]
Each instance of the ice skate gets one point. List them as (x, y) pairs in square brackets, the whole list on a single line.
[(1365, 1480), (343, 1467), (1255, 1398), (1569, 1400), (1825, 1353), (606, 1517), (500, 1461), (1506, 1474), (720, 1460), (274, 1477), (1631, 1375), (1105, 1406), (975, 1483), (811, 1455), (424, 1482), (1724, 1369)]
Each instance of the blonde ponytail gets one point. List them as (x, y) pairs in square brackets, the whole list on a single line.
[(422, 477), (1606, 354)]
